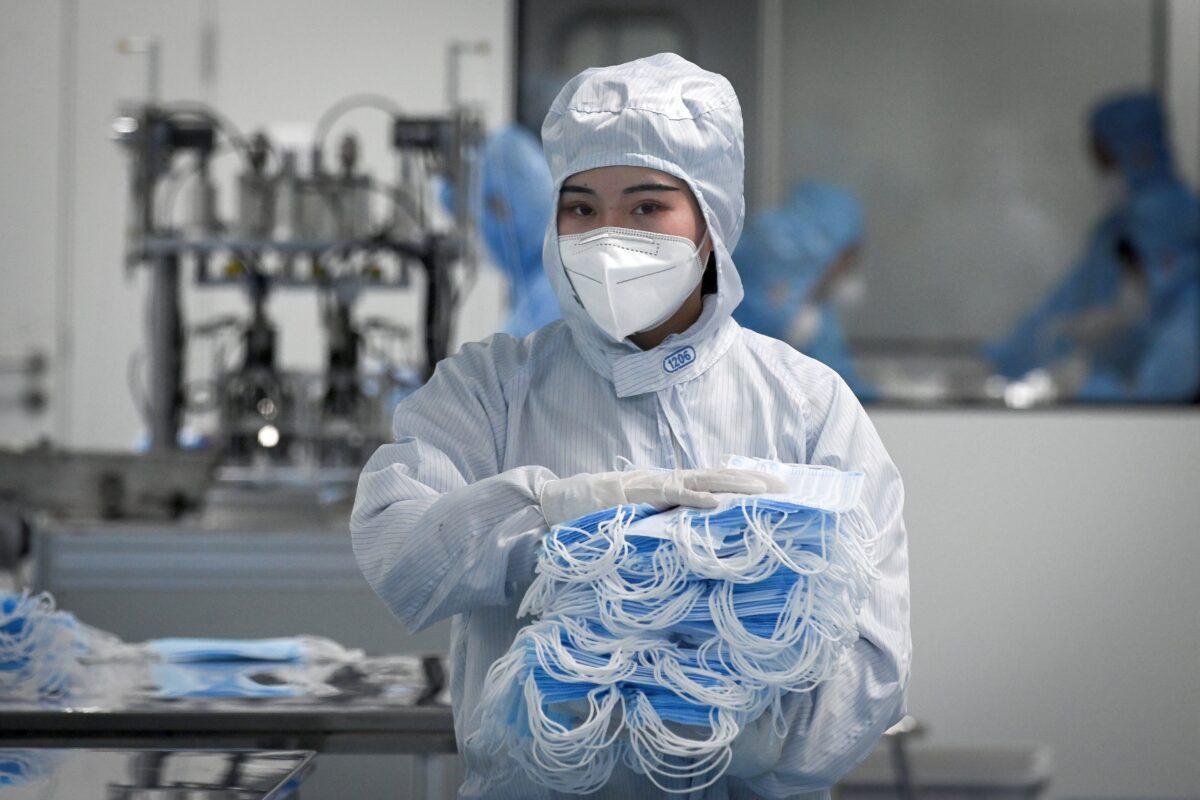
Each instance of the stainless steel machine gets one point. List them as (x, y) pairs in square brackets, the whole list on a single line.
[(337, 231)]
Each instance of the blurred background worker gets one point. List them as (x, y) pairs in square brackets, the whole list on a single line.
[(518, 199), (1131, 150), (1145, 346), (799, 264)]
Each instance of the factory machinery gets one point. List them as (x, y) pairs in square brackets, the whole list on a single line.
[(269, 441), (301, 223), (230, 517)]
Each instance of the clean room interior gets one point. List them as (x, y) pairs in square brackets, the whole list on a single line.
[(199, 355)]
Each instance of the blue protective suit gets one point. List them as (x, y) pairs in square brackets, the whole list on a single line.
[(783, 255), (1157, 359), (447, 523), (1132, 128), (517, 198)]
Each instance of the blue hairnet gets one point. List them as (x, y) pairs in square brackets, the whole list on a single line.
[(1160, 215), (1133, 129), (514, 204), (835, 216)]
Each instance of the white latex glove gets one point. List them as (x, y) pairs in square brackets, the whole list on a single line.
[(581, 494)]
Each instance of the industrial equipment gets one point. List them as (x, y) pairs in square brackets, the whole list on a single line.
[(299, 225)]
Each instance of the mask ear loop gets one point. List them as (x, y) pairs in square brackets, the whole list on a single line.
[(569, 757), (576, 759), (649, 736), (701, 556), (558, 564), (579, 667), (702, 263), (606, 542), (666, 576), (502, 698), (765, 531), (658, 616), (724, 691)]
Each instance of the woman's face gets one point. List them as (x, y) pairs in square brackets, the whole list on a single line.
[(630, 197)]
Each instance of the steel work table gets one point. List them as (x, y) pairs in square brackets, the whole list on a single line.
[(413, 730), (373, 705), (99, 774)]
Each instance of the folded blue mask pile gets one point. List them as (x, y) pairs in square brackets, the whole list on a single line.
[(658, 636), (241, 668), (40, 648)]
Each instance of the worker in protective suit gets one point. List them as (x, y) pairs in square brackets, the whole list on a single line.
[(799, 270), (1145, 347), (1131, 150), (511, 436), (517, 198)]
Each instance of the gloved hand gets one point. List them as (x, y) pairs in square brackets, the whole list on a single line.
[(581, 494)]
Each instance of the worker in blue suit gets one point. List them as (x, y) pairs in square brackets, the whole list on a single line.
[(1148, 347), (799, 265), (1130, 148), (517, 200)]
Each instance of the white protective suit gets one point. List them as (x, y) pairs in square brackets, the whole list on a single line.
[(447, 522)]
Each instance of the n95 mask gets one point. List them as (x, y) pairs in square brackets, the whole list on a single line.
[(630, 280)]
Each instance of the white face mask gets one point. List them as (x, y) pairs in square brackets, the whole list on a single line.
[(630, 280), (850, 291)]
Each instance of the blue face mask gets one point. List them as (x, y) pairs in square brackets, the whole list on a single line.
[(297, 649), (661, 634), (217, 680), (40, 648)]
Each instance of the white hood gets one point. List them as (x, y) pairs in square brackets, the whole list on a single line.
[(665, 113)]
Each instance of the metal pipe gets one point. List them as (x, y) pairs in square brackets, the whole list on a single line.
[(165, 345)]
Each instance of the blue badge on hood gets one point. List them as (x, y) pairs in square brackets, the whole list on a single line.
[(679, 359)]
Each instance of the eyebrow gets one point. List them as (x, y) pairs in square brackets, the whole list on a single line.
[(641, 187), (650, 187)]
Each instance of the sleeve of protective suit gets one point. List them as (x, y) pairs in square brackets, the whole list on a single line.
[(1034, 341), (835, 726), (437, 528), (1170, 369)]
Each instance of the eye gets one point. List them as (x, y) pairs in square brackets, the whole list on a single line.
[(577, 209), (647, 207)]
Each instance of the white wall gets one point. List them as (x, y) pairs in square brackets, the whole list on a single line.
[(275, 61), (1183, 83), (29, 196), (1054, 590)]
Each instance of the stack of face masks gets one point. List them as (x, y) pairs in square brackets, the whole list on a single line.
[(658, 636), (240, 668), (40, 648)]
